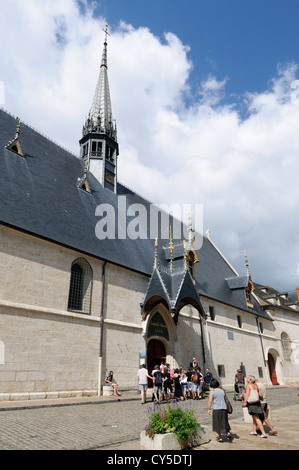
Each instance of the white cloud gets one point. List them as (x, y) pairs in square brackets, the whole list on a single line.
[(243, 170)]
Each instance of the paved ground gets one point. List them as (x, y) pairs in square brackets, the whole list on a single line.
[(103, 423)]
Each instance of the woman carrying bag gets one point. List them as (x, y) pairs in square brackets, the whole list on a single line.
[(252, 400), (217, 403)]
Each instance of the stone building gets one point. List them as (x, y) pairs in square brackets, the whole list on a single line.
[(79, 296), (282, 358)]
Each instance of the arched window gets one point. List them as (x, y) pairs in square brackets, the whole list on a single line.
[(80, 287), (286, 346)]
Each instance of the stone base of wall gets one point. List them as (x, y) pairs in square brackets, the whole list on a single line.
[(23, 396), (46, 395)]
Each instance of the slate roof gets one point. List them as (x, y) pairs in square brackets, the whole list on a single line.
[(271, 298), (39, 194)]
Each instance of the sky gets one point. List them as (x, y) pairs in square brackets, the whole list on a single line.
[(205, 95)]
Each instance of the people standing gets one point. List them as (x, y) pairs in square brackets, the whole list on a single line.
[(252, 400), (240, 381), (189, 374), (208, 377), (184, 383), (194, 363), (218, 409), (158, 381), (178, 393), (167, 384), (201, 391), (142, 376)]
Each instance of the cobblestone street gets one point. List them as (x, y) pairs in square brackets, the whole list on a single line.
[(100, 423)]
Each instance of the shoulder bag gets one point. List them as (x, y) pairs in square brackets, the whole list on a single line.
[(229, 407), (253, 396)]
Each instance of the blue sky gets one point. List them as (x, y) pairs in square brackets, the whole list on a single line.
[(205, 95), (241, 40)]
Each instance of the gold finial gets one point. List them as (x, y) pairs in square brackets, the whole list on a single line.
[(106, 31), (170, 241), (185, 254), (156, 253), (170, 249)]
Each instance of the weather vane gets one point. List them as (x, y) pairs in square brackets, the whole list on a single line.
[(106, 31), (246, 261)]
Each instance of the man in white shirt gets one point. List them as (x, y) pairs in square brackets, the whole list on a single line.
[(142, 376)]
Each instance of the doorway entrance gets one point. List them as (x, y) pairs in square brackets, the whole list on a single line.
[(155, 354), (272, 371)]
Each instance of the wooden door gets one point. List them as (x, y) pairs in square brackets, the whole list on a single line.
[(155, 354), (272, 371)]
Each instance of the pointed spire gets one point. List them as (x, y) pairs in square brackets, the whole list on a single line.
[(247, 265), (100, 115)]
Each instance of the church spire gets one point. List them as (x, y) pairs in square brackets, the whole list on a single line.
[(100, 114), (99, 142)]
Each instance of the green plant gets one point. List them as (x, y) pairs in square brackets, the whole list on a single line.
[(172, 419)]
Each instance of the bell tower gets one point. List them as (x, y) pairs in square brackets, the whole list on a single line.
[(98, 145)]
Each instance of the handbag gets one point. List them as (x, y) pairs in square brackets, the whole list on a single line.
[(229, 407), (253, 396)]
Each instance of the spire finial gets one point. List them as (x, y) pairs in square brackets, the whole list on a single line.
[(156, 253), (106, 31), (185, 263), (18, 127), (170, 249), (190, 230), (246, 262)]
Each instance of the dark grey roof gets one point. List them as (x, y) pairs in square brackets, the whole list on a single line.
[(272, 298), (237, 282), (176, 289), (39, 194)]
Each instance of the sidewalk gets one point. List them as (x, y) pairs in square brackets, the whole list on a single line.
[(285, 420)]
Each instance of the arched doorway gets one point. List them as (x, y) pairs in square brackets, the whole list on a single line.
[(155, 354), (272, 370)]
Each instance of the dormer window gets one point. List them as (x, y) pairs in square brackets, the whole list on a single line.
[(15, 145), (192, 260), (248, 290)]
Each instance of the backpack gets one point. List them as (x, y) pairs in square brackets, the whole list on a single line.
[(194, 378), (240, 378), (158, 378)]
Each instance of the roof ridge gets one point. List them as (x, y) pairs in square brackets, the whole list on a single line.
[(40, 133)]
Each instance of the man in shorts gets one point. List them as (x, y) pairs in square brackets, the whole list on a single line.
[(158, 380), (142, 376)]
